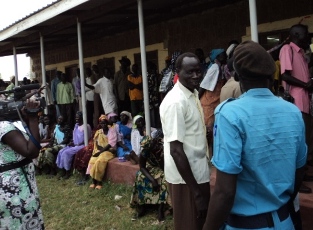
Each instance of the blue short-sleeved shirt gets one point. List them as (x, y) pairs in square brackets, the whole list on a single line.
[(261, 138)]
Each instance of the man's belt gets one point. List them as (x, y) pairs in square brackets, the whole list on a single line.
[(264, 220)]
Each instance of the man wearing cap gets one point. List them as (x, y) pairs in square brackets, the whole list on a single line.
[(255, 137), (295, 72), (121, 85), (186, 165)]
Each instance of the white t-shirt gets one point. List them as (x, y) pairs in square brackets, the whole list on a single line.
[(182, 120), (105, 88)]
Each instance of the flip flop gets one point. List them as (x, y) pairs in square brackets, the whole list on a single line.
[(92, 186), (99, 187)]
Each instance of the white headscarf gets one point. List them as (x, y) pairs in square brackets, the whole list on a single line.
[(130, 118), (135, 119)]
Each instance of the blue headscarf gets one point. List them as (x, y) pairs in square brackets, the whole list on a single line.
[(213, 54)]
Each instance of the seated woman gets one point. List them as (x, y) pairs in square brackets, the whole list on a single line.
[(61, 137), (125, 127), (150, 186), (46, 134), (104, 147), (49, 127), (138, 132), (41, 125), (83, 156), (112, 119), (66, 155)]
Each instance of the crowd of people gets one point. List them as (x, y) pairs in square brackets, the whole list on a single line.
[(225, 110)]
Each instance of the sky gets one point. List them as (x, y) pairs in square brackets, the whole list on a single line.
[(10, 12)]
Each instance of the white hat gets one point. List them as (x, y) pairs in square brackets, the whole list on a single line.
[(230, 49)]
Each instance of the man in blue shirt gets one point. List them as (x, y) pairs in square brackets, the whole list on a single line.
[(259, 150)]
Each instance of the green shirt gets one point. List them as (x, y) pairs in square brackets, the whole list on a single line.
[(65, 93)]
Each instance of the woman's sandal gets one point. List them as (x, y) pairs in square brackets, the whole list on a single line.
[(92, 186), (99, 187)]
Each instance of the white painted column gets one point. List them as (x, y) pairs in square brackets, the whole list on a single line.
[(15, 66), (43, 68), (253, 21), (82, 79), (144, 67)]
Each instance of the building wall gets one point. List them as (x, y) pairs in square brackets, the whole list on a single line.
[(129, 53), (207, 30)]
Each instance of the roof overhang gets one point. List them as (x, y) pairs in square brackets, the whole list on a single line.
[(57, 22)]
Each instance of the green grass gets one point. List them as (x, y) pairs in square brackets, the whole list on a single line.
[(68, 206)]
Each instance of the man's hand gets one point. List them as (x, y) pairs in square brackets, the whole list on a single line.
[(309, 85), (155, 185), (201, 204)]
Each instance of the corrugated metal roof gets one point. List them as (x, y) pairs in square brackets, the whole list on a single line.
[(30, 14), (99, 18)]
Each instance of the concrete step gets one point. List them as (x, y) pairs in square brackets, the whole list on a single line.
[(125, 173), (121, 172), (306, 202)]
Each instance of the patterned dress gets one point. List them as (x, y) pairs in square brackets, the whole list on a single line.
[(152, 150), (19, 198)]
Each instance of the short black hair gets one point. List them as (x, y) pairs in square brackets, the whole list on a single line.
[(233, 42), (180, 58), (298, 26)]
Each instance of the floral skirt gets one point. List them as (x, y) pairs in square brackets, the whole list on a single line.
[(143, 191)]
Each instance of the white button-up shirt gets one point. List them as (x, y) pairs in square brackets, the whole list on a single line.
[(182, 120)]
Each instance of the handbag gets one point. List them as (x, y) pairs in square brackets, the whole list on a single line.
[(286, 96)]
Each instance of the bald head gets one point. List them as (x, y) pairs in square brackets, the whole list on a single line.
[(299, 35)]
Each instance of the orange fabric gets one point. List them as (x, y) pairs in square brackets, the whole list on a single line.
[(209, 101), (135, 94)]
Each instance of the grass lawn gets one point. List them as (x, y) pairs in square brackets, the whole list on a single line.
[(68, 206)]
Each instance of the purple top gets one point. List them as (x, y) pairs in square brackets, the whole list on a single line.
[(77, 87), (78, 134)]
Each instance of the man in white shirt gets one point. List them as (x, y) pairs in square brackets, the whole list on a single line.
[(185, 147), (105, 88), (77, 91), (90, 80)]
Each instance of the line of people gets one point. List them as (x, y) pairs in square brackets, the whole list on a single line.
[(260, 142)]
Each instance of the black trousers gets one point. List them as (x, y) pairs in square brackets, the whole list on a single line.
[(90, 111)]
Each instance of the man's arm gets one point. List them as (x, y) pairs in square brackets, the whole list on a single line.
[(298, 181), (221, 200), (89, 86), (183, 167), (286, 76)]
